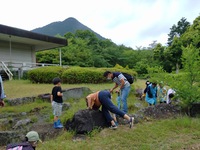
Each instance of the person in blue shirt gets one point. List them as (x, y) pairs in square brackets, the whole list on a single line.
[(151, 94)]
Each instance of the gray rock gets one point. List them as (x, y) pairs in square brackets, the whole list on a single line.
[(21, 123), (19, 101)]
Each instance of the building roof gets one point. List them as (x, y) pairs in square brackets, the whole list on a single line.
[(38, 41)]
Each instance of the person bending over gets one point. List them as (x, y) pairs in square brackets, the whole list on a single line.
[(103, 99)]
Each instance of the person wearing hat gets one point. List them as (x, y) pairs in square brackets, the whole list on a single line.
[(31, 141), (56, 101)]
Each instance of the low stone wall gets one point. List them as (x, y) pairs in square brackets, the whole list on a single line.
[(19, 101), (73, 93)]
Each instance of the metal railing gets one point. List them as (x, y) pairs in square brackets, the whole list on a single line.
[(26, 65), (20, 67), (7, 70)]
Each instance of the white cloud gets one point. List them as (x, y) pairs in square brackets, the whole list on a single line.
[(127, 22)]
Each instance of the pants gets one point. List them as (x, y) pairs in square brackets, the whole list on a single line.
[(107, 105), (124, 95), (57, 108)]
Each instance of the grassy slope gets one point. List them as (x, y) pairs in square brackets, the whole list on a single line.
[(174, 134)]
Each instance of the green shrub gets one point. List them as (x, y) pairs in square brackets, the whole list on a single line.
[(44, 74), (73, 75), (83, 75)]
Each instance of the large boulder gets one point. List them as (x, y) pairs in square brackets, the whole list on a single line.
[(85, 121)]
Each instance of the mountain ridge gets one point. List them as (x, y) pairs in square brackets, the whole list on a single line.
[(62, 27)]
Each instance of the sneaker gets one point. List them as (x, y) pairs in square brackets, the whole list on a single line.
[(131, 122), (116, 123), (113, 127), (57, 126)]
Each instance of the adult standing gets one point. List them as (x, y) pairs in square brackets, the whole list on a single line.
[(123, 84), (2, 94)]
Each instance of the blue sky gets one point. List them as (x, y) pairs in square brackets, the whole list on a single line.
[(128, 22)]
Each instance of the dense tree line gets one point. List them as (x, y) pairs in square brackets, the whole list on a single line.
[(86, 50)]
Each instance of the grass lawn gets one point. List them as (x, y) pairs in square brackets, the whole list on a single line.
[(169, 134)]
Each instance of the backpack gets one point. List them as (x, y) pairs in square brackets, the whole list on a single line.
[(129, 77), (19, 146)]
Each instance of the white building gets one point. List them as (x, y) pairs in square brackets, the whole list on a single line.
[(18, 47)]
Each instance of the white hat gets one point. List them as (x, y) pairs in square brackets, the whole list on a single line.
[(33, 136)]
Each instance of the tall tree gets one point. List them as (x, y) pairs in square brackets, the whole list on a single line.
[(158, 51), (178, 30), (192, 35), (175, 52)]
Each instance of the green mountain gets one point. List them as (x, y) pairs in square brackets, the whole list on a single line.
[(62, 27)]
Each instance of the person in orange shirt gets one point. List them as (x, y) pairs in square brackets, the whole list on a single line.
[(103, 99)]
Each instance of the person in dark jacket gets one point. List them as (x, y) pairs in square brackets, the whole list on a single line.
[(30, 143), (145, 90)]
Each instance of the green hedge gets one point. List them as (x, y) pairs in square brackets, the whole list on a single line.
[(82, 75), (44, 74), (72, 75)]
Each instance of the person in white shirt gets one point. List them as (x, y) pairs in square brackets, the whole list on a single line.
[(170, 95)]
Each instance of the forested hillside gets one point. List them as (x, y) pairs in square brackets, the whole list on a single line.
[(86, 50)]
